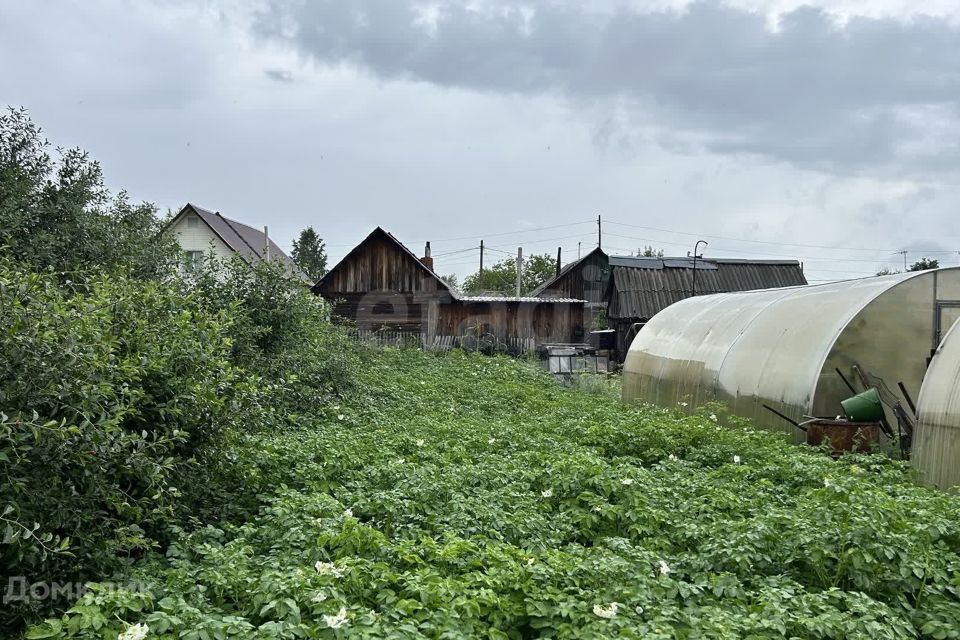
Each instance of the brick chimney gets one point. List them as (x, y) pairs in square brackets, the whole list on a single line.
[(427, 259)]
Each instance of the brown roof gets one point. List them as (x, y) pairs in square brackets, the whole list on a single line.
[(249, 243)]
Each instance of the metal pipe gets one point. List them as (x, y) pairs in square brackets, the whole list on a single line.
[(696, 247)]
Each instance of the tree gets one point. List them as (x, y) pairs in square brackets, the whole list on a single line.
[(502, 277), (923, 264), (451, 280), (649, 252), (310, 254), (886, 271), (57, 213)]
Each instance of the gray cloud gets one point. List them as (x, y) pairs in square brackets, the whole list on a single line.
[(870, 94), (279, 75)]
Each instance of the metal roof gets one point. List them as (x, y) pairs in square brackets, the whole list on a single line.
[(641, 287), (516, 299), (246, 241), (710, 264)]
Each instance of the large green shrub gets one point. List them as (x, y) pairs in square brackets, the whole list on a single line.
[(278, 330), (106, 391)]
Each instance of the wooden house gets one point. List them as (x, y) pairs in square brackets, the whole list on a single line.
[(382, 285)]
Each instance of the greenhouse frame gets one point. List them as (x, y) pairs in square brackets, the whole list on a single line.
[(797, 350)]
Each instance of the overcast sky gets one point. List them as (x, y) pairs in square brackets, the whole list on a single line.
[(773, 129)]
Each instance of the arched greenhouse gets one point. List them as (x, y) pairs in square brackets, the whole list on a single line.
[(936, 444), (796, 350)]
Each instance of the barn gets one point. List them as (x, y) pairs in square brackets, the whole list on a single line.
[(381, 285)]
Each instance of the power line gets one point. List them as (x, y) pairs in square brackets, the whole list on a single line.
[(782, 244), (758, 253)]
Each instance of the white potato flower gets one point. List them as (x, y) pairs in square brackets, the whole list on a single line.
[(134, 632), (664, 568), (337, 621), (606, 611), (626, 481), (328, 568), (547, 493)]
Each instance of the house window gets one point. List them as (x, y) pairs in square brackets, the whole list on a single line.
[(193, 222), (193, 259)]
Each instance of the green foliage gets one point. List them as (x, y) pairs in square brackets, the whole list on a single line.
[(451, 280), (472, 497), (278, 329), (649, 252), (58, 214), (310, 254), (502, 277), (923, 264), (105, 389)]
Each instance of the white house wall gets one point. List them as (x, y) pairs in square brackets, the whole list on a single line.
[(199, 238)]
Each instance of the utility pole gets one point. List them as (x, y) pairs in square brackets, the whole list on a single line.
[(904, 254), (696, 247), (266, 243), (558, 261), (480, 281), (599, 232), (519, 268)]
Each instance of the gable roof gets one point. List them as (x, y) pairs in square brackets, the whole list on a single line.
[(381, 234), (564, 270), (249, 243), (641, 287)]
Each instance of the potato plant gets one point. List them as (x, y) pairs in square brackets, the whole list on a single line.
[(471, 497)]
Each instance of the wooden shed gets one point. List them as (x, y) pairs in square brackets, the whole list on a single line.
[(382, 285), (586, 278)]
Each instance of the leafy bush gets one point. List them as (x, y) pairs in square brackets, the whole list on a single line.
[(278, 330), (464, 496), (59, 215), (106, 391)]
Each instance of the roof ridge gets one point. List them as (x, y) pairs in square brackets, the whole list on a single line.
[(238, 234)]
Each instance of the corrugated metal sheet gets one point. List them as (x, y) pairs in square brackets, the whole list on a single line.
[(641, 287), (531, 299)]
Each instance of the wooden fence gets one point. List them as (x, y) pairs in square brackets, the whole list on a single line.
[(486, 343)]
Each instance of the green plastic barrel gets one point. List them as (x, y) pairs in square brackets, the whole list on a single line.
[(863, 407)]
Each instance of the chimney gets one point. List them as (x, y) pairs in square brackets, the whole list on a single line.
[(427, 259), (558, 261)]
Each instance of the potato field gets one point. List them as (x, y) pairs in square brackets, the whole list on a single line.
[(465, 496)]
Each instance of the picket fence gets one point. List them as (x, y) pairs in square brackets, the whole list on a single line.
[(468, 342)]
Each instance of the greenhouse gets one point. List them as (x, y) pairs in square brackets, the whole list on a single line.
[(796, 351), (936, 445)]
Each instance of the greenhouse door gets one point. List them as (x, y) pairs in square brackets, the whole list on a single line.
[(948, 312)]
